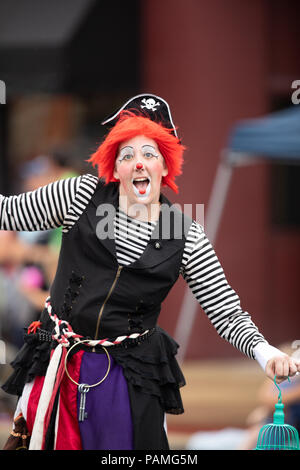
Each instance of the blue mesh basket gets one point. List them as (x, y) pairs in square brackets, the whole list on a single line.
[(278, 435)]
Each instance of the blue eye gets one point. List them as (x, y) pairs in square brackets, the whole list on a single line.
[(127, 157), (149, 151)]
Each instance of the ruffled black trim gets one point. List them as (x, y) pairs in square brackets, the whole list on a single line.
[(151, 366), (31, 360)]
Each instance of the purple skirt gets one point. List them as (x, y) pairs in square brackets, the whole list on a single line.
[(108, 425)]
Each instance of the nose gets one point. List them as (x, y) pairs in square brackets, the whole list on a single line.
[(139, 166)]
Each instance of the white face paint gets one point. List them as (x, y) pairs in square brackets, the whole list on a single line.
[(140, 184)]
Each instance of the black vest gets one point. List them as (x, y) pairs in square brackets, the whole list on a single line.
[(94, 294)]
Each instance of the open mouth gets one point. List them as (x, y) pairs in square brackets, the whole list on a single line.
[(141, 186)]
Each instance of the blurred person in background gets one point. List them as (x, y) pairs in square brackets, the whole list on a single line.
[(55, 165), (28, 260), (19, 276), (116, 266), (24, 280)]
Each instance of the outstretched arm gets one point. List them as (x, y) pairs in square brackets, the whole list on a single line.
[(204, 274), (42, 209)]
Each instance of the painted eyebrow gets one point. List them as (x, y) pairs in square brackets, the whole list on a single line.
[(150, 148), (148, 145), (127, 147)]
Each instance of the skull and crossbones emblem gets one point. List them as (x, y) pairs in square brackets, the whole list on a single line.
[(150, 104)]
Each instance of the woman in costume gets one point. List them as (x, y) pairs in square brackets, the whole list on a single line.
[(96, 371)]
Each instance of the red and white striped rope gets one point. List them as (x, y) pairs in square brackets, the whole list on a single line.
[(63, 332)]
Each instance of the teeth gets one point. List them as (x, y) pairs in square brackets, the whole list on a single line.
[(137, 193), (140, 179)]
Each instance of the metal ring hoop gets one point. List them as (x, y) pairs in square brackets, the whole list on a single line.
[(67, 372)]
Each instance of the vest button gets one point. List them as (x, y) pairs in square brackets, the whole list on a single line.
[(157, 245)]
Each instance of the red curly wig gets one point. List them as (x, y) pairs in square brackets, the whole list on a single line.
[(128, 126)]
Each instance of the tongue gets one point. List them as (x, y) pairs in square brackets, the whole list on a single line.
[(141, 185)]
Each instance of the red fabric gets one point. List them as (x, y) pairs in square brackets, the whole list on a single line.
[(34, 326), (68, 434), (33, 401), (59, 376)]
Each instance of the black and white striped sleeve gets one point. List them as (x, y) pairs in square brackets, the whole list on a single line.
[(204, 274), (57, 204)]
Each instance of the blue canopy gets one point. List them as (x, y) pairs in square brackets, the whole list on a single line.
[(276, 136)]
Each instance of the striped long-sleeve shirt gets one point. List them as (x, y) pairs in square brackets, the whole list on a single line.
[(61, 203)]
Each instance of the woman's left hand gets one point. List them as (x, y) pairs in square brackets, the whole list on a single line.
[(283, 367)]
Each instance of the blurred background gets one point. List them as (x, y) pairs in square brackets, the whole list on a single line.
[(68, 64)]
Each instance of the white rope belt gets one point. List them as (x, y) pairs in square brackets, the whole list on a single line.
[(63, 332)]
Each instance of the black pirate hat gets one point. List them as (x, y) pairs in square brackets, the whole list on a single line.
[(151, 106)]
